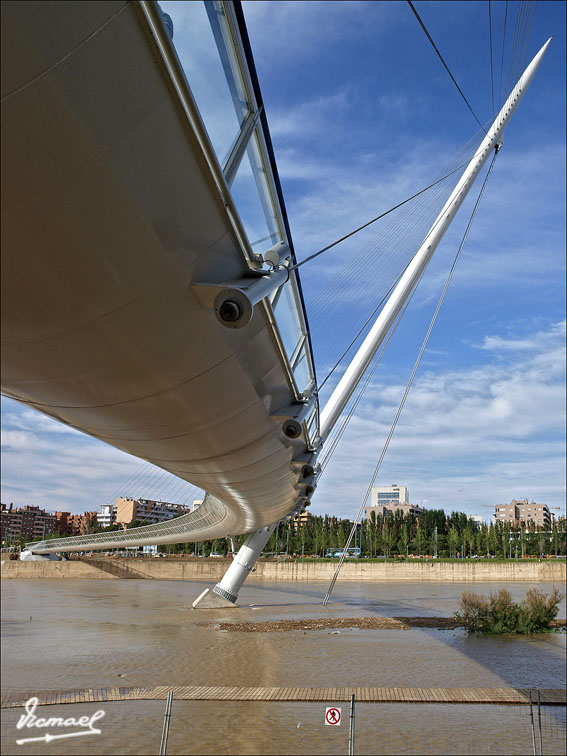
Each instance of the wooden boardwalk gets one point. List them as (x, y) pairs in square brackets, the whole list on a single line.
[(510, 696)]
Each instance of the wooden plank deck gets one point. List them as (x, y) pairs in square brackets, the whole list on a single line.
[(504, 696)]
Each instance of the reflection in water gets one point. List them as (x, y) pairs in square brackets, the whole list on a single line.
[(73, 633)]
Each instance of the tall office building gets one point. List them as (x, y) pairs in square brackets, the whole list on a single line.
[(387, 499), (383, 495)]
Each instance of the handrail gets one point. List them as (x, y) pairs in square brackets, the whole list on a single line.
[(209, 514)]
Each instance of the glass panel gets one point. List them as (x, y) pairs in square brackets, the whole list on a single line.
[(312, 428), (219, 95), (288, 320), (301, 371), (253, 200)]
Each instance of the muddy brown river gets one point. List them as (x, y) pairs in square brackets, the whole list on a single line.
[(78, 633)]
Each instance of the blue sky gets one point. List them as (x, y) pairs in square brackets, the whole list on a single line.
[(362, 114)]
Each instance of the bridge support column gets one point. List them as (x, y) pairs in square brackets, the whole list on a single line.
[(225, 593), (28, 556)]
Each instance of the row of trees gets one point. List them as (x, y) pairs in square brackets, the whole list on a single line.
[(433, 533)]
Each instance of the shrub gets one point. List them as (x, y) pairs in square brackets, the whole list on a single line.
[(475, 610), (498, 614), (538, 610)]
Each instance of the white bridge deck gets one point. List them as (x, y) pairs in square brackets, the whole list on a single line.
[(115, 205)]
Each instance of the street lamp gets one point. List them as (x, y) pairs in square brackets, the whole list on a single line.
[(435, 547)]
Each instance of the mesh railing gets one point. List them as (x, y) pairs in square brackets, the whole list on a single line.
[(210, 513)]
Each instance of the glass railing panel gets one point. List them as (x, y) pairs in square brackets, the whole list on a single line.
[(301, 370), (253, 200), (287, 319), (313, 426), (216, 70), (216, 87)]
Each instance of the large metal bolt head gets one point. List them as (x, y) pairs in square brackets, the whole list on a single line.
[(292, 429), (309, 491), (230, 311), (307, 472), (232, 308)]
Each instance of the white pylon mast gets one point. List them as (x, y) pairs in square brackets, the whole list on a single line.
[(348, 383), (226, 591)]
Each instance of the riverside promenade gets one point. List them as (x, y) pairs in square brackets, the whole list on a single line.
[(101, 568)]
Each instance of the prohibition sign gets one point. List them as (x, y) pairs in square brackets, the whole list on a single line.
[(332, 715)]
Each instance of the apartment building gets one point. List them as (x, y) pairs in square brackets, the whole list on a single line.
[(523, 512), (107, 515), (64, 524), (128, 510), (25, 522), (299, 520)]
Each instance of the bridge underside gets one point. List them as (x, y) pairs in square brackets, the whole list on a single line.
[(110, 214)]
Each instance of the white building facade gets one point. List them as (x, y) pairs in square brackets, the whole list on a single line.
[(381, 496)]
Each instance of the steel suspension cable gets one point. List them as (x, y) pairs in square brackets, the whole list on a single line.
[(428, 35), (340, 432), (409, 384), (491, 62), (502, 55), (382, 215), (361, 329), (522, 32), (512, 66), (379, 262), (140, 473), (369, 318)]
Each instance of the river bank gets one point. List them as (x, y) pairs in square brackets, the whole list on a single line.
[(214, 569)]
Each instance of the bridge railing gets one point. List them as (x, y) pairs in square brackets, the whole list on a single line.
[(210, 514), (213, 52)]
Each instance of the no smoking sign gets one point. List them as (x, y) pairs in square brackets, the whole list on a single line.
[(332, 715)]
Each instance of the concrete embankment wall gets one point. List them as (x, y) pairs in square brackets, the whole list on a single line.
[(213, 569)]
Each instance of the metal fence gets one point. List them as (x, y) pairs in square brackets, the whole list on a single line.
[(263, 727)]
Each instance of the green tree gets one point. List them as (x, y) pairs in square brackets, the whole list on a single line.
[(419, 540), (469, 537), (388, 534), (454, 540), (405, 538)]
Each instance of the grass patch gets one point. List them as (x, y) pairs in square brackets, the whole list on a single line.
[(498, 614)]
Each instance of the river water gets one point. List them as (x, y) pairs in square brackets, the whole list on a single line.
[(106, 633)]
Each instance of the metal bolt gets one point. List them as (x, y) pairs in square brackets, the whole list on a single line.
[(307, 472), (230, 311), (292, 429)]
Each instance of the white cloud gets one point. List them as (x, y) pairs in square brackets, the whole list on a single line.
[(504, 344), (306, 119), (48, 464), (292, 30), (466, 438)]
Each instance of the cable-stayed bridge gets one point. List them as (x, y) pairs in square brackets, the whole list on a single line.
[(150, 291)]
